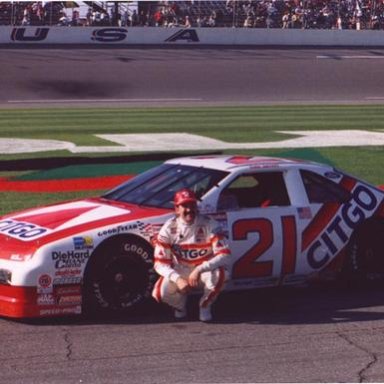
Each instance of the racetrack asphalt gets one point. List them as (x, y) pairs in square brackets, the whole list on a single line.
[(174, 77), (308, 334)]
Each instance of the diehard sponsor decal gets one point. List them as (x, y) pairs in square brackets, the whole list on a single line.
[(70, 259), (21, 230)]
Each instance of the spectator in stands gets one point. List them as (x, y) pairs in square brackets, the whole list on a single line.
[(125, 19), (248, 22), (187, 22), (26, 16), (158, 18), (212, 20), (143, 19), (75, 18), (64, 20), (134, 19), (88, 17), (286, 19)]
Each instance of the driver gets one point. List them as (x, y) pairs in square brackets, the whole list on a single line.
[(191, 252)]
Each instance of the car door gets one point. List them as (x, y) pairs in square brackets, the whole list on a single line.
[(262, 228)]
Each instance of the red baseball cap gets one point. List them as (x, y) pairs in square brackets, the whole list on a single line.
[(184, 196)]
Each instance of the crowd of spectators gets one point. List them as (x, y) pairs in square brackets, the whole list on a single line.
[(302, 14)]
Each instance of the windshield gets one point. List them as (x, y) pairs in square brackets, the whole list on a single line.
[(157, 186)]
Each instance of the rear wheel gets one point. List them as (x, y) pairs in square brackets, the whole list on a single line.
[(120, 276), (365, 261)]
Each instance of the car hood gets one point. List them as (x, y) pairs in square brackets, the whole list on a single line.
[(36, 227)]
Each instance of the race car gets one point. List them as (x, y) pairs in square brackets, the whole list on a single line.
[(287, 221)]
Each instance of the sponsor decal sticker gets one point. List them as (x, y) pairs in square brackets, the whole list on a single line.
[(67, 280), (338, 228), (44, 284), (117, 230), (46, 299), (85, 242), (70, 300), (20, 230), (70, 259), (60, 311), (68, 272), (304, 213)]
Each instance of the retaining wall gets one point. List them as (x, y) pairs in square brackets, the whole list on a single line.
[(191, 36)]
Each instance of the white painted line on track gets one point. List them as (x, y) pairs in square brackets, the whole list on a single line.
[(44, 101), (355, 57), (157, 142)]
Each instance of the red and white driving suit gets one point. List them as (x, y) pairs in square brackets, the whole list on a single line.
[(182, 247)]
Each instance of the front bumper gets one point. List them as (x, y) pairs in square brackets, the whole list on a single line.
[(25, 302), (18, 302)]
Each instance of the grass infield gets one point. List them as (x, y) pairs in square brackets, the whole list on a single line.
[(232, 124)]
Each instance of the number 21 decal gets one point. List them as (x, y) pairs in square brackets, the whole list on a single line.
[(248, 265)]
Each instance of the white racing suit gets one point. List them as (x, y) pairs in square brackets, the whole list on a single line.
[(179, 249)]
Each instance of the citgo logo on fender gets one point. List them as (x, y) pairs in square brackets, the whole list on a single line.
[(20, 230), (109, 35), (19, 34), (336, 235)]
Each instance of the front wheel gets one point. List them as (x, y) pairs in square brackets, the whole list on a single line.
[(119, 277)]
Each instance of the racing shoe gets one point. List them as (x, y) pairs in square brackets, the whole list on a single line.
[(205, 314), (180, 314)]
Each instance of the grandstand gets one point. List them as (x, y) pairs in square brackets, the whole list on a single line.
[(303, 14)]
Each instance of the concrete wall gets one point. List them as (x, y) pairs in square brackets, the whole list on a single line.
[(193, 36)]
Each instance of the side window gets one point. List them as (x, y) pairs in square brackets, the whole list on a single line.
[(322, 190), (254, 190)]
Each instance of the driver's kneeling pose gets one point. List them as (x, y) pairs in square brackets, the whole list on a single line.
[(191, 252)]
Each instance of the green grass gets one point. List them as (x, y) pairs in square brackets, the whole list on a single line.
[(236, 124), (17, 201), (232, 124)]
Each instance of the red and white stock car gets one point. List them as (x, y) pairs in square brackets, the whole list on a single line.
[(287, 221)]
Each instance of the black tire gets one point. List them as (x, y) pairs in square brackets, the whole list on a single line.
[(119, 277), (365, 256)]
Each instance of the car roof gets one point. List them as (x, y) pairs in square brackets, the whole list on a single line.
[(235, 163)]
